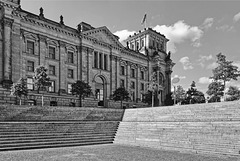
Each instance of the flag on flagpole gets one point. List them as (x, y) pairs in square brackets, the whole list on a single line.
[(144, 18)]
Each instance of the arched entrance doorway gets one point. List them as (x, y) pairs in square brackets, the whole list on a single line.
[(99, 90)]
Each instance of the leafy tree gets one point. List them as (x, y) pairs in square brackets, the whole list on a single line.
[(193, 95), (81, 89), (41, 79), (225, 71), (169, 100), (120, 94), (19, 89), (180, 94), (215, 90), (234, 93), (214, 99), (148, 97)]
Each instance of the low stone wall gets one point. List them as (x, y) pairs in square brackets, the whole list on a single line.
[(36, 98), (5, 97), (206, 128), (52, 113), (126, 105)]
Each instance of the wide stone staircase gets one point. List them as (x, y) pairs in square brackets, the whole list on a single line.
[(46, 127), (204, 128)]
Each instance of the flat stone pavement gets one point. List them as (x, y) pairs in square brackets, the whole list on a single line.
[(110, 152)]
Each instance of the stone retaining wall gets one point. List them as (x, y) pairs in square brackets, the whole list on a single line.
[(51, 113), (206, 128)]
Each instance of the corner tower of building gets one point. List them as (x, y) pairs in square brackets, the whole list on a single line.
[(153, 45)]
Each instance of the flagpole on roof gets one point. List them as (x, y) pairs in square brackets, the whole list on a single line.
[(144, 20)]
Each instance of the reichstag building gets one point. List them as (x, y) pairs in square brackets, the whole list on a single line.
[(91, 54)]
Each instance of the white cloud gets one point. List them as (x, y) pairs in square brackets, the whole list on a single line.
[(225, 27), (186, 63), (237, 64), (208, 22), (123, 34), (179, 33), (236, 17), (212, 65), (204, 80), (180, 77), (203, 59)]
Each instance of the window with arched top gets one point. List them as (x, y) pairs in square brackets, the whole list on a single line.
[(161, 79)]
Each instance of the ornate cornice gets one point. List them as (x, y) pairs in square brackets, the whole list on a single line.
[(44, 23), (8, 5)]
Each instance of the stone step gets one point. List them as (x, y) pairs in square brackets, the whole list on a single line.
[(59, 139), (55, 145), (54, 135)]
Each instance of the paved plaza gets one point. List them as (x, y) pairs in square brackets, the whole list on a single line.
[(111, 152)]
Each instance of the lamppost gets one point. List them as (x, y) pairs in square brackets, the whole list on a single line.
[(174, 81)]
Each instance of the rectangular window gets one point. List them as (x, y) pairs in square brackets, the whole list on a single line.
[(70, 73), (142, 86), (69, 88), (70, 57), (133, 96), (100, 61), (137, 46), (157, 45), (122, 70), (30, 47), (30, 84), (132, 46), (133, 73), (142, 75), (30, 66), (132, 85), (105, 62), (51, 88), (142, 43), (122, 83), (51, 52), (95, 60), (51, 70)]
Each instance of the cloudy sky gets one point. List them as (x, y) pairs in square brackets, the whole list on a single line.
[(198, 30)]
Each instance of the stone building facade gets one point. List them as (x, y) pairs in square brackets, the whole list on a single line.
[(86, 53)]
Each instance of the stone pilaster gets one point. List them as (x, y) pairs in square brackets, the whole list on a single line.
[(7, 27), (116, 72), (168, 82), (137, 82), (43, 49), (62, 67), (111, 70), (79, 63), (16, 50), (127, 75)]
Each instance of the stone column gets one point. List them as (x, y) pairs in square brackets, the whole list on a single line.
[(127, 75), (90, 64), (137, 79), (116, 72), (62, 68), (168, 81), (42, 49), (7, 26), (111, 74)]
